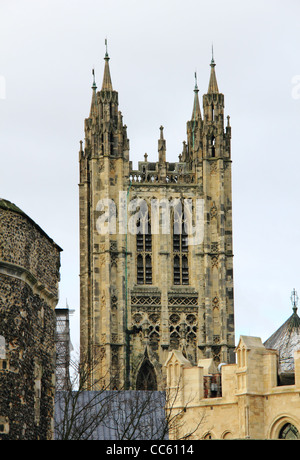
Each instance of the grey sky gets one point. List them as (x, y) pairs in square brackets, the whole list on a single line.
[(47, 51)]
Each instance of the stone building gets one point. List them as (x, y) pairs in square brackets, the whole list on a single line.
[(256, 398), (156, 269), (29, 276)]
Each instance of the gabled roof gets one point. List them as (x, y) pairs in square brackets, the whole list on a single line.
[(250, 342), (176, 356)]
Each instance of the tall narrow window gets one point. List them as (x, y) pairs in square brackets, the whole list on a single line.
[(180, 248), (144, 252), (176, 270), (184, 270), (140, 269), (146, 379), (148, 267), (213, 146)]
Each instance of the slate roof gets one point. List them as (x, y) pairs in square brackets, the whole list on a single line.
[(286, 340), (122, 415)]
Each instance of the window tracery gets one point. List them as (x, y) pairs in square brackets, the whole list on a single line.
[(144, 251), (180, 247), (289, 431)]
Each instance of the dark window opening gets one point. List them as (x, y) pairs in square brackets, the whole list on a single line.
[(176, 270), (213, 146), (144, 250), (140, 270), (180, 249), (146, 379), (185, 270), (148, 265)]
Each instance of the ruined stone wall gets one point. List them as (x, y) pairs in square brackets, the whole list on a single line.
[(29, 276)]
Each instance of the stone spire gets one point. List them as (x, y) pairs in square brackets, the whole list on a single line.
[(106, 84), (94, 96), (196, 115), (213, 85)]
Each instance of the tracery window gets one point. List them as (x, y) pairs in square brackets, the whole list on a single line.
[(289, 431), (180, 247)]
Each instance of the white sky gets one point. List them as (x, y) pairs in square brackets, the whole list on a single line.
[(47, 51)]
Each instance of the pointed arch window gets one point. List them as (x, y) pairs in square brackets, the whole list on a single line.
[(144, 252), (146, 379), (289, 431), (180, 247)]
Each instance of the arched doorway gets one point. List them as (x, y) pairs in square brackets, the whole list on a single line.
[(146, 378)]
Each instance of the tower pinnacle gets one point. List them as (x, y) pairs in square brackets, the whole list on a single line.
[(196, 107), (106, 84), (94, 97), (94, 82), (213, 85)]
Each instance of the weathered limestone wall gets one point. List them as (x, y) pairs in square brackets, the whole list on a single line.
[(251, 405), (29, 276)]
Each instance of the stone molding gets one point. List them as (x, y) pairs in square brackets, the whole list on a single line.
[(21, 273)]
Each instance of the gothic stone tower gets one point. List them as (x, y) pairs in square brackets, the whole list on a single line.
[(156, 261)]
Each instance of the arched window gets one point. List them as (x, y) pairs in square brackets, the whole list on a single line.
[(289, 431), (146, 379)]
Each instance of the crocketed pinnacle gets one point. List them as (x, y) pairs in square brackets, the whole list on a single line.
[(106, 84), (213, 85)]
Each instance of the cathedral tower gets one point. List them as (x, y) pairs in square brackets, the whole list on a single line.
[(156, 269)]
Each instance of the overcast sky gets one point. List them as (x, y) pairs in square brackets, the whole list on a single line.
[(47, 52)]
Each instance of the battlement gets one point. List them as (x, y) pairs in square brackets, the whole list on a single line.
[(152, 172), (248, 390)]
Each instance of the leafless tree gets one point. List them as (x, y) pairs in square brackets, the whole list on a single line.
[(176, 423), (79, 412), (119, 414)]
